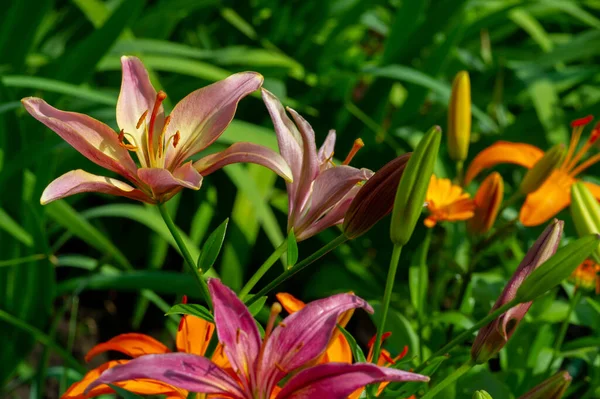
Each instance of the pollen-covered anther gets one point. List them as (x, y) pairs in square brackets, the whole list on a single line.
[(595, 135), (358, 144), (142, 119), (122, 143), (176, 139), (582, 121)]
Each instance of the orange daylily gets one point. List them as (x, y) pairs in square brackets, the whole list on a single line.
[(586, 276), (193, 336), (446, 201), (555, 193)]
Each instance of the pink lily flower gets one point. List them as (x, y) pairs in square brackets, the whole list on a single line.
[(259, 365), (321, 192), (162, 143)]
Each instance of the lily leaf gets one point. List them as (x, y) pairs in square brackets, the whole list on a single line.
[(212, 247), (193, 310)]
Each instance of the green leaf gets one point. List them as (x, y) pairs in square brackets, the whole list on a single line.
[(212, 247), (14, 229), (192, 309), (258, 305), (357, 353), (410, 388), (292, 249)]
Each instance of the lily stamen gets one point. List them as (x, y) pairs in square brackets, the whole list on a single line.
[(141, 120), (160, 97), (130, 147), (358, 144), (161, 144), (577, 125)]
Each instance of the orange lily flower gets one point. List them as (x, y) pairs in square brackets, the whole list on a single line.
[(555, 193), (193, 336), (447, 202), (586, 276)]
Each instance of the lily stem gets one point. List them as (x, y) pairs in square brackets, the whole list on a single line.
[(468, 333), (460, 172), (387, 297), (331, 245), (450, 379), (562, 333), (186, 253), (264, 268), (423, 284)]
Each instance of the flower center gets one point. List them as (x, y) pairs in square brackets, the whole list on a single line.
[(569, 165)]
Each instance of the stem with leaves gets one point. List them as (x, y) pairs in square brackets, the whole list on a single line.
[(264, 268), (449, 380)]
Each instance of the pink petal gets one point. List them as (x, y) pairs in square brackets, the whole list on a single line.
[(93, 139), (181, 370), (236, 328), (80, 181), (137, 96), (338, 380), (162, 182), (303, 336), (326, 151), (202, 116), (333, 217), (244, 152)]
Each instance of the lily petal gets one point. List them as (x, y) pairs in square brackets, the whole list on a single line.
[(162, 182), (136, 97), (553, 196), (140, 387), (333, 217), (248, 153), (92, 138), (182, 370), (202, 116), (236, 327), (131, 344), (292, 345), (338, 380), (80, 181), (194, 335), (594, 189), (522, 154)]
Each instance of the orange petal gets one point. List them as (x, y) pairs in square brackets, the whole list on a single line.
[(503, 152), (289, 302), (194, 335), (552, 197), (131, 344), (338, 351), (594, 189), (141, 386), (220, 358)]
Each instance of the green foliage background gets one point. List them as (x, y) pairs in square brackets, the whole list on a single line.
[(95, 266)]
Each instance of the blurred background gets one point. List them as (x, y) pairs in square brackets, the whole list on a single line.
[(78, 272)]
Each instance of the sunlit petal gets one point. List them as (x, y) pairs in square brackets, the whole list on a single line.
[(131, 344), (544, 203)]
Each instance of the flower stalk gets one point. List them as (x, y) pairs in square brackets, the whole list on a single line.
[(263, 269), (449, 380)]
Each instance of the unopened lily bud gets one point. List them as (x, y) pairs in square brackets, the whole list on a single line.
[(459, 117), (541, 171), (375, 198), (487, 204), (557, 268), (410, 195), (492, 338), (552, 388), (482, 395), (586, 213)]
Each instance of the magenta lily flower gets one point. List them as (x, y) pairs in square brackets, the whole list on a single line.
[(321, 192), (162, 143), (259, 365)]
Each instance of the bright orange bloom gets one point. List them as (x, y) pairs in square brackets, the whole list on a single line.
[(193, 336), (586, 276), (446, 201), (555, 194)]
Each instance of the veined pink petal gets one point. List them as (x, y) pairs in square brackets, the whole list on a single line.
[(92, 138), (303, 336), (202, 116), (181, 370), (338, 380), (236, 328), (80, 181), (326, 151), (248, 153), (137, 96), (334, 216), (289, 142), (162, 181), (329, 188)]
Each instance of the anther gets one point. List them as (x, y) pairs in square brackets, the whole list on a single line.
[(275, 310), (582, 121), (160, 97), (122, 143), (358, 144), (176, 139), (141, 120)]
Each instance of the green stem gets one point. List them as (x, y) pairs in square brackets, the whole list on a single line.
[(449, 380), (331, 245), (423, 279), (387, 297), (562, 333), (185, 253), (468, 333), (460, 172), (263, 269), (43, 339)]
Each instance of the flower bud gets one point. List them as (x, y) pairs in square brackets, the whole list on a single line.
[(557, 268), (487, 204), (537, 175), (375, 198), (552, 388), (410, 195), (482, 395), (492, 338), (586, 213), (459, 117)]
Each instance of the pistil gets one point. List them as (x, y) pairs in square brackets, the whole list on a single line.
[(358, 144)]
